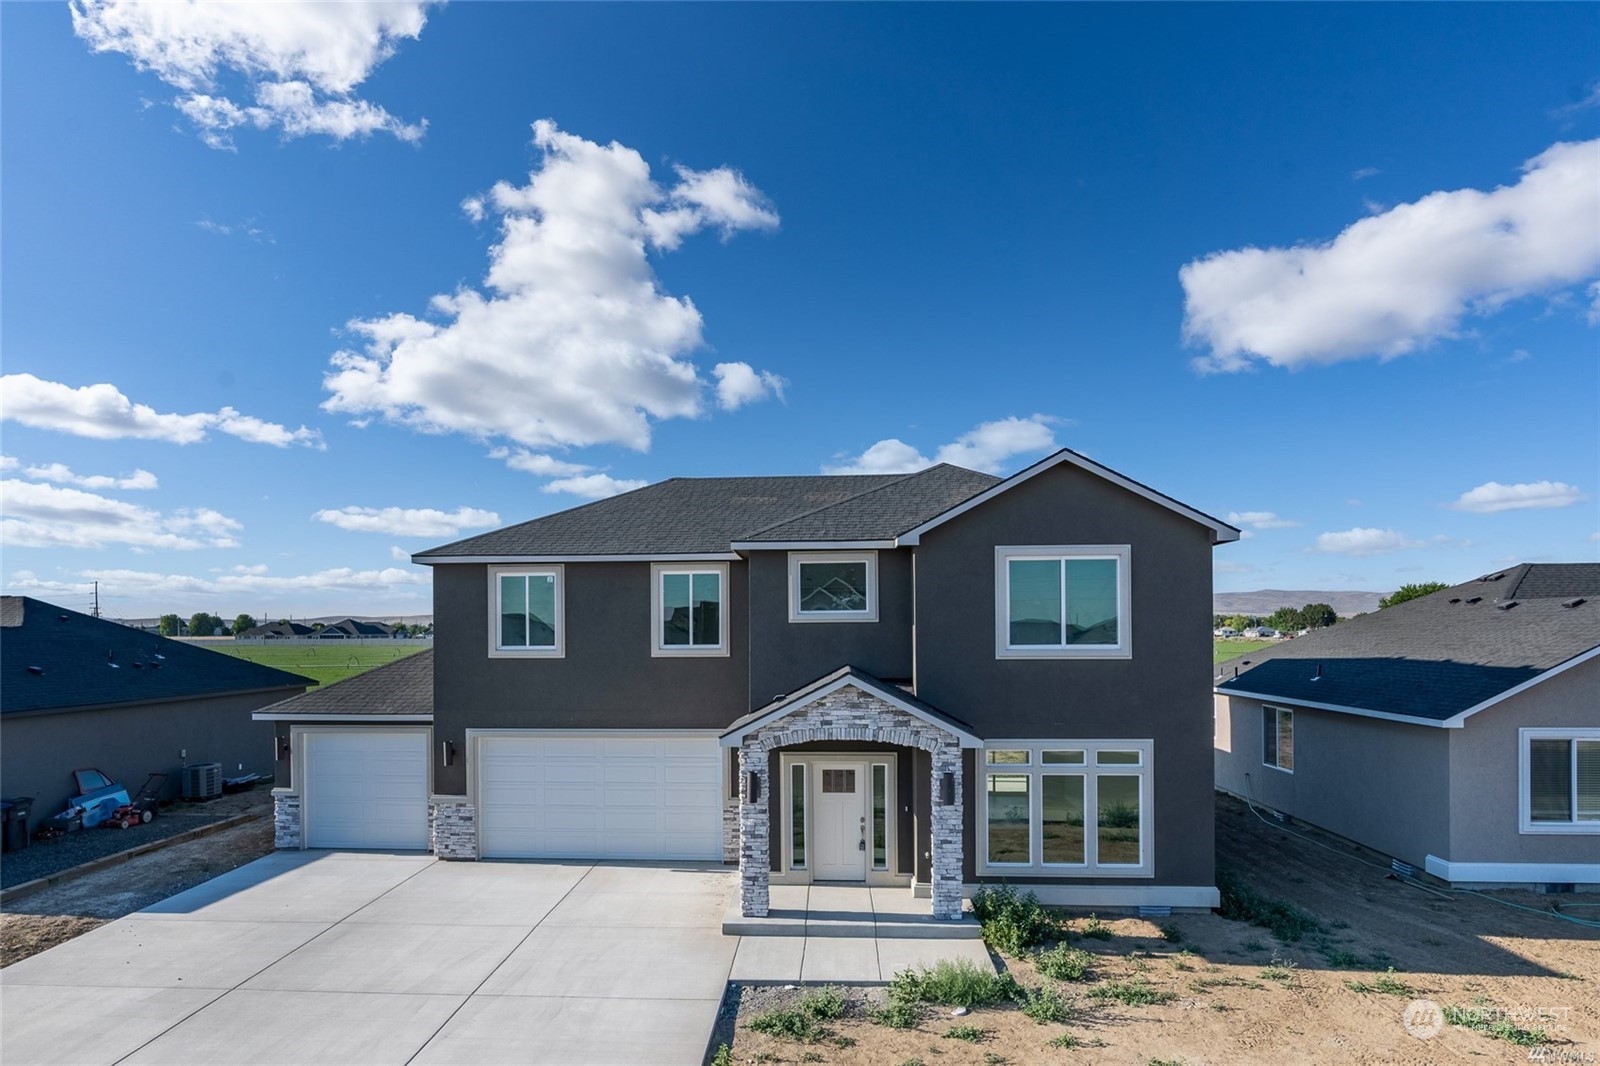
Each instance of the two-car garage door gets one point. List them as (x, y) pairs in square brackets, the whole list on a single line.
[(599, 796)]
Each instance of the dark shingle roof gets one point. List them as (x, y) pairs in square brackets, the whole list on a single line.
[(1434, 657), (695, 515), (53, 659), (404, 686)]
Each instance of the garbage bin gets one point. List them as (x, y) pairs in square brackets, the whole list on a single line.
[(14, 835)]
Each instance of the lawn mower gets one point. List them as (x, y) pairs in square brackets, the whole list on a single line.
[(140, 809)]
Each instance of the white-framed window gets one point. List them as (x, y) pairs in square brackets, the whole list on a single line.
[(833, 586), (1063, 602), (1277, 737), (527, 612), (1067, 807), (1559, 780), (688, 609)]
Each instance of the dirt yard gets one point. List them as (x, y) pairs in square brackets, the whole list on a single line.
[(55, 915), (1229, 992)]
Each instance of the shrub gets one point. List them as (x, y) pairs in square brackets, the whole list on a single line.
[(1135, 993), (723, 1057), (1063, 963), (1095, 929), (1012, 922), (897, 1014), (824, 1004), (794, 1025), (1484, 1021), (1171, 933), (1241, 903), (1044, 1004), (953, 984), (970, 1033), (1387, 983)]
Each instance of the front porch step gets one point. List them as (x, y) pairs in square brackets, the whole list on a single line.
[(848, 911)]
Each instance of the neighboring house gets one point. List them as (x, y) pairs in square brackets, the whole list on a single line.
[(1225, 631), (77, 691), (929, 680), (347, 628), (277, 631), (1458, 732), (1261, 633)]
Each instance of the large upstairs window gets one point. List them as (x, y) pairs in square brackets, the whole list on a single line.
[(1062, 602), (688, 602), (526, 610)]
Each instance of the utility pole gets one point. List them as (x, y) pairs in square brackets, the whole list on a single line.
[(97, 599)]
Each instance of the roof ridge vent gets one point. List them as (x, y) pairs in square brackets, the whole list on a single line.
[(1474, 599), (1506, 606), (1576, 601), (1455, 599)]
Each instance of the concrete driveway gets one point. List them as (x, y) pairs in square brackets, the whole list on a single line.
[(345, 957)]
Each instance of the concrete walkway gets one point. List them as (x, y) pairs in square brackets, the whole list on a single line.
[(353, 958)]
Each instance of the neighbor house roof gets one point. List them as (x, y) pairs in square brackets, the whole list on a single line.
[(278, 629), (54, 659), (1439, 658), (690, 516), (401, 691), (716, 517)]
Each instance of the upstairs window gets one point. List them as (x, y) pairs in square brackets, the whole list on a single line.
[(689, 615), (1060, 602), (526, 611), (833, 587)]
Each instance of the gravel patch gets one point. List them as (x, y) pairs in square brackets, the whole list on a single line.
[(86, 845)]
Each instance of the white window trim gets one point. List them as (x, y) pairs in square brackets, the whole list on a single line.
[(868, 615), (1277, 736), (1003, 648), (693, 651), (1036, 768), (1525, 780), (559, 651)]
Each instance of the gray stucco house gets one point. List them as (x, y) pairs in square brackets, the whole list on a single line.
[(1458, 733), (930, 680), (78, 691)]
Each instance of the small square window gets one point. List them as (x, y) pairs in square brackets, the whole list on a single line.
[(833, 587), (839, 781)]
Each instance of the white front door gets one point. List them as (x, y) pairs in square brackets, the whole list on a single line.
[(840, 820)]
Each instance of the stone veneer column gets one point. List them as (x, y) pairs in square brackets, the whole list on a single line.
[(730, 833), (755, 861), (285, 819), (453, 830), (946, 836)]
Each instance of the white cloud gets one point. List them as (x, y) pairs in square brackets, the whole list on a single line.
[(1364, 173), (300, 60), (740, 383), (573, 342), (1398, 280), (987, 447), (408, 521), (102, 412), (44, 516), (1492, 496), (157, 587), (8, 462), (536, 464), (593, 486), (399, 553), (1360, 541), (63, 475), (1259, 520)]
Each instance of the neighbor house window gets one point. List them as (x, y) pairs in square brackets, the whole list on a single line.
[(689, 615), (1560, 780), (1277, 737), (525, 606), (1067, 807), (833, 587), (1060, 602)]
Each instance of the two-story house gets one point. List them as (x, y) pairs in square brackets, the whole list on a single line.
[(931, 680)]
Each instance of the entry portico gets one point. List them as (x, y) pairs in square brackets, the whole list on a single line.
[(844, 742)]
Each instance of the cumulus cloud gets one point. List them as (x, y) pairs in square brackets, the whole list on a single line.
[(593, 486), (740, 383), (61, 474), (408, 521), (1259, 520), (256, 582), (1492, 496), (572, 342), (102, 412), (987, 447), (536, 464), (1402, 278), (299, 61), (1360, 541), (44, 516)]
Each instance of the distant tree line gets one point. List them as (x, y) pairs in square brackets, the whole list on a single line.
[(205, 624), (1284, 619)]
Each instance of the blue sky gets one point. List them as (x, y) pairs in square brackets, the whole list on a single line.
[(290, 292)]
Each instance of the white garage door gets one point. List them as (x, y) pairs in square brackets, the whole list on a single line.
[(366, 790), (600, 796)]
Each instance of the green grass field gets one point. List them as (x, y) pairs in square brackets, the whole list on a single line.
[(326, 663), (1223, 650)]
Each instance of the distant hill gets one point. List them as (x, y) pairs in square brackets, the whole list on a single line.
[(1265, 601)]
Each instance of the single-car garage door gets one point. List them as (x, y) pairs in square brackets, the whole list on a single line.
[(366, 790), (600, 796)]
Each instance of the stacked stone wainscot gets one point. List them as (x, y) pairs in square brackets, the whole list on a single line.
[(847, 714), (453, 830), (286, 819)]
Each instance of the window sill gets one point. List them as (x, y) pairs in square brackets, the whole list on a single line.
[(689, 653), (1096, 652), (1561, 828), (527, 653)]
